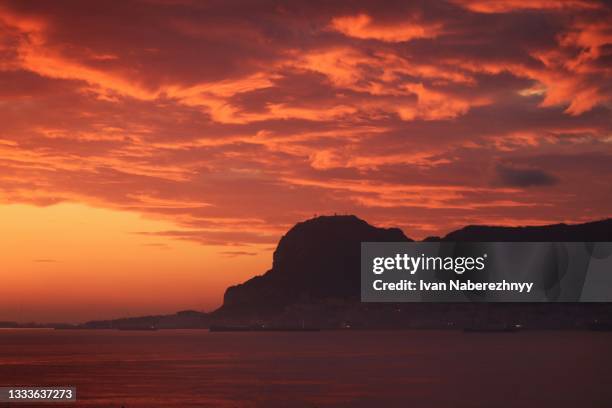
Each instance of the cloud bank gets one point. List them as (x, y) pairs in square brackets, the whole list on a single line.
[(236, 120)]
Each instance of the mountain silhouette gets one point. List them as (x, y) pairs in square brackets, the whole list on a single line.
[(597, 231), (320, 259), (316, 259)]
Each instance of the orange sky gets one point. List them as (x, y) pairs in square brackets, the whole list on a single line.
[(152, 152), (76, 261)]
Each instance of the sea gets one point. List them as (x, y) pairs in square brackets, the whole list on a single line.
[(343, 368)]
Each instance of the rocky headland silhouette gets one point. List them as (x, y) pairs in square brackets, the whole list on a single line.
[(315, 260), (315, 280)]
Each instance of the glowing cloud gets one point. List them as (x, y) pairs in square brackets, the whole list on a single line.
[(362, 26)]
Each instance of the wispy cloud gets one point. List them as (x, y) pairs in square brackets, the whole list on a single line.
[(235, 122)]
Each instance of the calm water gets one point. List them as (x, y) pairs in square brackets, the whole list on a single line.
[(420, 368)]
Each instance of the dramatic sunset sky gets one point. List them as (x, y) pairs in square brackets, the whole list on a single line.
[(153, 152)]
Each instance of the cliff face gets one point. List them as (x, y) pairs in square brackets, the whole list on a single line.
[(320, 259), (316, 259)]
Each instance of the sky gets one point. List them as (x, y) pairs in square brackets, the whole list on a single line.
[(153, 152)]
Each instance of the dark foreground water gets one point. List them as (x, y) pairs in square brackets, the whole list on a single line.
[(183, 368)]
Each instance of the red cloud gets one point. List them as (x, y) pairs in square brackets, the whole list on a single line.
[(362, 26), (226, 119)]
